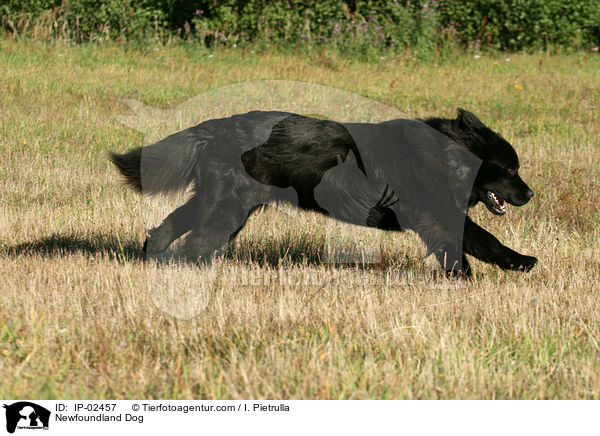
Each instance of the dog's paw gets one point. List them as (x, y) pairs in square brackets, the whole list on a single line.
[(464, 274), (157, 241), (528, 264), (523, 263), (152, 246)]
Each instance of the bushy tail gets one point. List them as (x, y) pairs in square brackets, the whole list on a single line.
[(167, 166)]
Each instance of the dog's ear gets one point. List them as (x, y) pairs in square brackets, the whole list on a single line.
[(468, 120)]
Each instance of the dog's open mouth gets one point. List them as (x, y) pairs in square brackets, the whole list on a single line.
[(495, 203)]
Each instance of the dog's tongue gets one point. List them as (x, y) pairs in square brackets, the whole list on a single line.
[(498, 199)]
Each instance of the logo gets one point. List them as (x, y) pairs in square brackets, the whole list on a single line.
[(26, 415)]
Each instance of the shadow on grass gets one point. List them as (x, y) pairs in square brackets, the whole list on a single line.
[(306, 250), (286, 251), (60, 245)]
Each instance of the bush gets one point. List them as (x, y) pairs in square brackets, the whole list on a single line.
[(368, 29), (83, 20), (362, 26), (514, 24)]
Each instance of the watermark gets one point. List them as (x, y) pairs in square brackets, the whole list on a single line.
[(269, 417), (25, 415)]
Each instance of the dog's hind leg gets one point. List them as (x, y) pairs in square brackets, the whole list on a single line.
[(175, 225), (239, 229), (214, 228)]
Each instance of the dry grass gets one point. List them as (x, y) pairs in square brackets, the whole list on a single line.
[(82, 316)]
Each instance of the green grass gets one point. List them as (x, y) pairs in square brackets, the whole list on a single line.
[(79, 317)]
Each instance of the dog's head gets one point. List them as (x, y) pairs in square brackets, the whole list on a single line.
[(498, 179)]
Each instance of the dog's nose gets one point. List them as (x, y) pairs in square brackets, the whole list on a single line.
[(529, 194)]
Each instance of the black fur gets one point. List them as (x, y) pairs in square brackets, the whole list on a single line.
[(499, 174), (354, 172)]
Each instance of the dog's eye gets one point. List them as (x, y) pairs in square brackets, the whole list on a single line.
[(510, 171)]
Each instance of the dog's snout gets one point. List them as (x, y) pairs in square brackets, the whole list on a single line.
[(529, 194)]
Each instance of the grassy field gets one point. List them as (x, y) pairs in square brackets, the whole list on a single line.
[(79, 315)]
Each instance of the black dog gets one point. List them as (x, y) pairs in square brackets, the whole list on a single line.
[(421, 175)]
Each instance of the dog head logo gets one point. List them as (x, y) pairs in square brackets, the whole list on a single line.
[(26, 415)]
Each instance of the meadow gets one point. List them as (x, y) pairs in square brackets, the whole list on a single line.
[(80, 316)]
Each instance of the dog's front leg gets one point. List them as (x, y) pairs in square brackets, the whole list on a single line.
[(446, 248), (449, 260), (486, 247)]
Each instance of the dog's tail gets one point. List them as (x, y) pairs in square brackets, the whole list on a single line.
[(167, 166)]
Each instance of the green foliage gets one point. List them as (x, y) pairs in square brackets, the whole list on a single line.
[(369, 29), (517, 24), (365, 27), (83, 20)]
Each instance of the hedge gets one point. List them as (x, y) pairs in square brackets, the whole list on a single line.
[(348, 24)]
